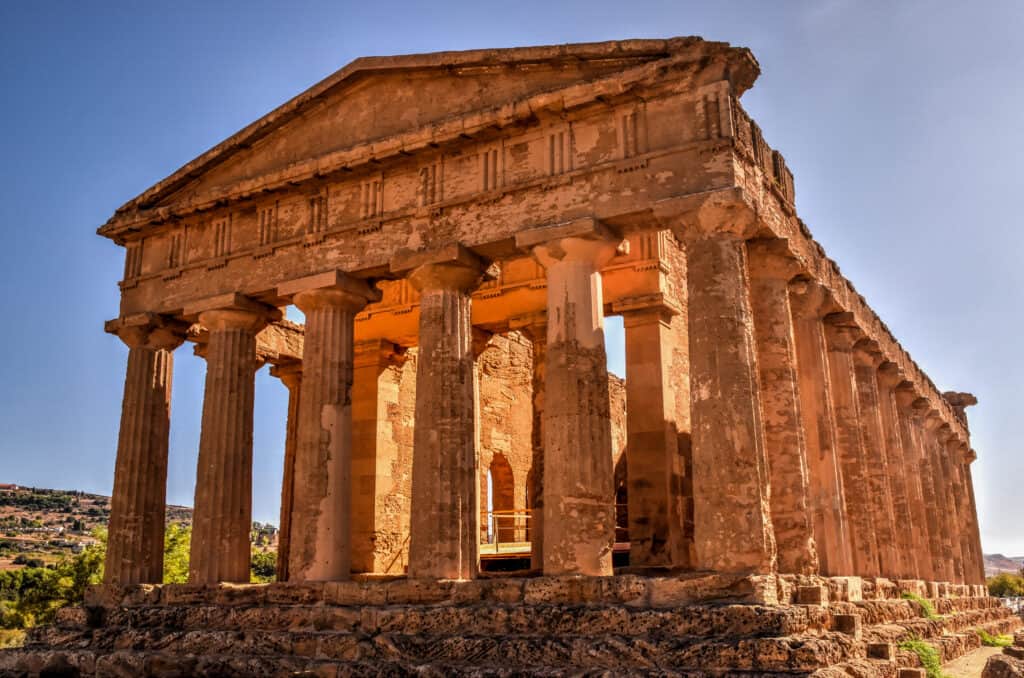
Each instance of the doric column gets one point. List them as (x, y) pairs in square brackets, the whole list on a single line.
[(579, 504), (928, 425), (961, 546), (977, 573), (135, 541), (732, 513), (656, 425), (222, 519), (911, 430), (842, 333), (444, 525), (946, 500), (321, 542), (867, 358), (535, 327), (771, 269), (291, 376), (380, 515), (900, 470), (826, 498)]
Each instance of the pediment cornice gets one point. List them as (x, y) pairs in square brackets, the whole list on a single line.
[(661, 63)]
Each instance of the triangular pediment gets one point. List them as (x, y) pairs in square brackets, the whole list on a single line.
[(380, 97)]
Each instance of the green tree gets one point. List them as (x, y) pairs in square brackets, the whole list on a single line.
[(1006, 585), (263, 566), (177, 543)]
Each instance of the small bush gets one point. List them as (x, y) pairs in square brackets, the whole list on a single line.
[(928, 655), (927, 609), (10, 638), (989, 640)]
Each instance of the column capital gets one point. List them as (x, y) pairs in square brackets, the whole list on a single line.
[(646, 310), (379, 352), (842, 332), (890, 375), (810, 299), (584, 240), (232, 311), (148, 330), (289, 373), (770, 259), (331, 288), (866, 353), (727, 213), (932, 417), (943, 433), (906, 396), (533, 324), (452, 267), (970, 456)]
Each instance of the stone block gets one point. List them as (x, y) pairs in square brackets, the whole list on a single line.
[(846, 589), (504, 591), (239, 594), (886, 651), (625, 588), (186, 594), (915, 587), (561, 590), (295, 594), (850, 624), (417, 591), (812, 595), (68, 617), (911, 673), (933, 589)]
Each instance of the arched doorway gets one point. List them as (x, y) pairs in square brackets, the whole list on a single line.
[(501, 500)]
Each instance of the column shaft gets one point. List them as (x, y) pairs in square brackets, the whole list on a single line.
[(657, 446), (977, 572), (841, 334), (910, 438), (785, 447), (444, 538), (291, 377), (939, 564), (135, 543), (579, 509), (899, 472), (826, 498), (876, 456), (222, 520), (732, 515), (321, 541)]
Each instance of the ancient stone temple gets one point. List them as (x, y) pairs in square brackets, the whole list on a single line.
[(773, 488)]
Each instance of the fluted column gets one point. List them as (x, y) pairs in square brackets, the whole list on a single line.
[(867, 359), (321, 541), (913, 446), (842, 333), (826, 496), (946, 500), (770, 272), (444, 525), (536, 329), (954, 454), (977, 572), (732, 514), (900, 471), (222, 519), (579, 503), (657, 427), (291, 376), (941, 569), (135, 541)]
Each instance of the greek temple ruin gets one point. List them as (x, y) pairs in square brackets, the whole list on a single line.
[(455, 227)]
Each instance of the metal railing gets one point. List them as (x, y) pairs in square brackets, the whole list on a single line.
[(512, 527)]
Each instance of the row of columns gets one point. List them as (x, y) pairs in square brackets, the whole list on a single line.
[(788, 443)]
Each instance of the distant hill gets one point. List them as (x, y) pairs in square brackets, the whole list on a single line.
[(39, 524), (997, 563)]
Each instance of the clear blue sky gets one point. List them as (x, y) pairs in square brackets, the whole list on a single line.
[(901, 121)]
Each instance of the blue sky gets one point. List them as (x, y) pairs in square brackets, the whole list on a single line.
[(901, 121)]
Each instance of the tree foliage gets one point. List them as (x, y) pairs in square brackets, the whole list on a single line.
[(177, 543), (1006, 585)]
